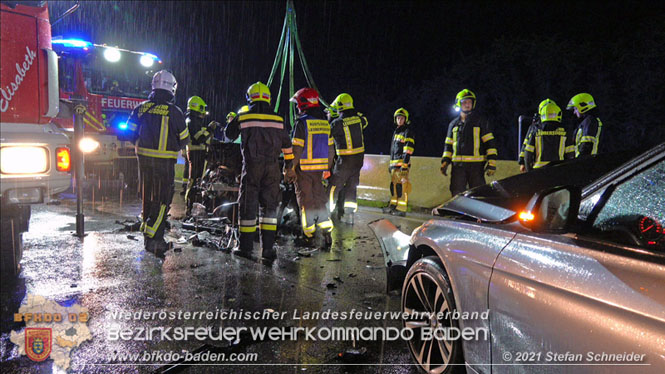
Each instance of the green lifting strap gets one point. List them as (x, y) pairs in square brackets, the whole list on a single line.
[(289, 43)]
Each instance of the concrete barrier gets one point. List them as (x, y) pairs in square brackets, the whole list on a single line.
[(429, 187)]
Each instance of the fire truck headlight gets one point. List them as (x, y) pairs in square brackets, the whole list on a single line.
[(87, 145), (147, 61), (24, 159), (112, 54)]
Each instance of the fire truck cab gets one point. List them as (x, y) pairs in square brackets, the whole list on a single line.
[(34, 153)]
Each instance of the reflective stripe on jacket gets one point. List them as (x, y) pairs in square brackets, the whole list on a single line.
[(470, 141), (347, 133)]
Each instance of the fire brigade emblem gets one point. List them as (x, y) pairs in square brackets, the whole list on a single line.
[(38, 343)]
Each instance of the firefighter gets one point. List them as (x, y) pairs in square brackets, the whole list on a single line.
[(263, 139), (401, 150), (313, 151), (196, 151), (535, 126), (159, 133), (550, 142), (347, 133), (469, 146), (587, 133)]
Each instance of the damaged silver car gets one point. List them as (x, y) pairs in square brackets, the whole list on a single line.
[(568, 279)]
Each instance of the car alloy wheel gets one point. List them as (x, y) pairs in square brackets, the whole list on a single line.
[(427, 298)]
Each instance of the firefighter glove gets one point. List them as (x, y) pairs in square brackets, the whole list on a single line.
[(444, 167)]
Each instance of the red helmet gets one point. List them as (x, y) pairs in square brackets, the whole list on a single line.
[(306, 98)]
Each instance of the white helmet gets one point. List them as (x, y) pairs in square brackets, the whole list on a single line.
[(165, 81)]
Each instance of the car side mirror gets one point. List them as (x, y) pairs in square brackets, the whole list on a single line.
[(553, 210)]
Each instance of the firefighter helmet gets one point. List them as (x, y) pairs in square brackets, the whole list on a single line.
[(258, 92), (583, 102), (543, 103), (550, 112), (306, 98), (342, 102), (463, 95), (196, 104), (230, 116), (401, 112), (163, 80)]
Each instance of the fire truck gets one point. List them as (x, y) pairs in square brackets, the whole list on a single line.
[(113, 81), (34, 153)]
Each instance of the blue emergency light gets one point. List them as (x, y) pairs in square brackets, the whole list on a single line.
[(122, 126), (72, 43)]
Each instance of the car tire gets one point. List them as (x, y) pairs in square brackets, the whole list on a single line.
[(426, 288)]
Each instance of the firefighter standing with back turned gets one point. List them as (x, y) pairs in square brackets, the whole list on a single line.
[(469, 146), (263, 139), (550, 142), (401, 150), (536, 125), (196, 151), (587, 133), (313, 149), (159, 133), (347, 133)]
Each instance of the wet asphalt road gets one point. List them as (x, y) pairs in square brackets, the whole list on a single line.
[(109, 271)]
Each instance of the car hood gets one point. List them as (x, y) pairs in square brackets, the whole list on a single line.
[(498, 201)]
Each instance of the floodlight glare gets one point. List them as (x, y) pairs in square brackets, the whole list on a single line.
[(147, 61), (112, 54)]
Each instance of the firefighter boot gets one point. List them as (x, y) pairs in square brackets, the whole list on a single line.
[(319, 240), (327, 240), (246, 245), (389, 209), (347, 218), (268, 245)]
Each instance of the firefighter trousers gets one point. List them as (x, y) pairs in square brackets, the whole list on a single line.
[(259, 192), (399, 182), (465, 175), (185, 174), (197, 166), (345, 176), (157, 187), (312, 199)]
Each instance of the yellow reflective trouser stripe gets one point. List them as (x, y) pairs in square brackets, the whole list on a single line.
[(540, 164), (247, 225), (351, 204), (332, 200), (353, 151), (328, 224), (156, 153), (195, 147), (269, 227), (307, 230), (151, 230)]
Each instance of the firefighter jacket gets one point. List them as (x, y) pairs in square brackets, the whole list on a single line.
[(198, 131), (158, 127), (263, 135), (402, 147), (549, 143), (587, 135), (312, 134), (470, 141), (347, 133), (535, 126)]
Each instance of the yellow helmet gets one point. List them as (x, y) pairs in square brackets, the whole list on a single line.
[(401, 112), (550, 112), (543, 103), (332, 112), (196, 104), (342, 102), (463, 95), (258, 92), (583, 102)]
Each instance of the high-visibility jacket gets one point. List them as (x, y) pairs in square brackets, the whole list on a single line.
[(587, 135), (402, 147), (313, 135), (263, 135), (158, 127), (347, 133), (470, 141), (198, 131), (549, 143), (535, 126)]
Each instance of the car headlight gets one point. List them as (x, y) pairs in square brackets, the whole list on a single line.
[(24, 159)]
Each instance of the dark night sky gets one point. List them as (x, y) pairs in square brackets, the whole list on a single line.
[(389, 54)]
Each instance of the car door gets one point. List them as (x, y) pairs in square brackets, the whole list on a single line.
[(591, 302)]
